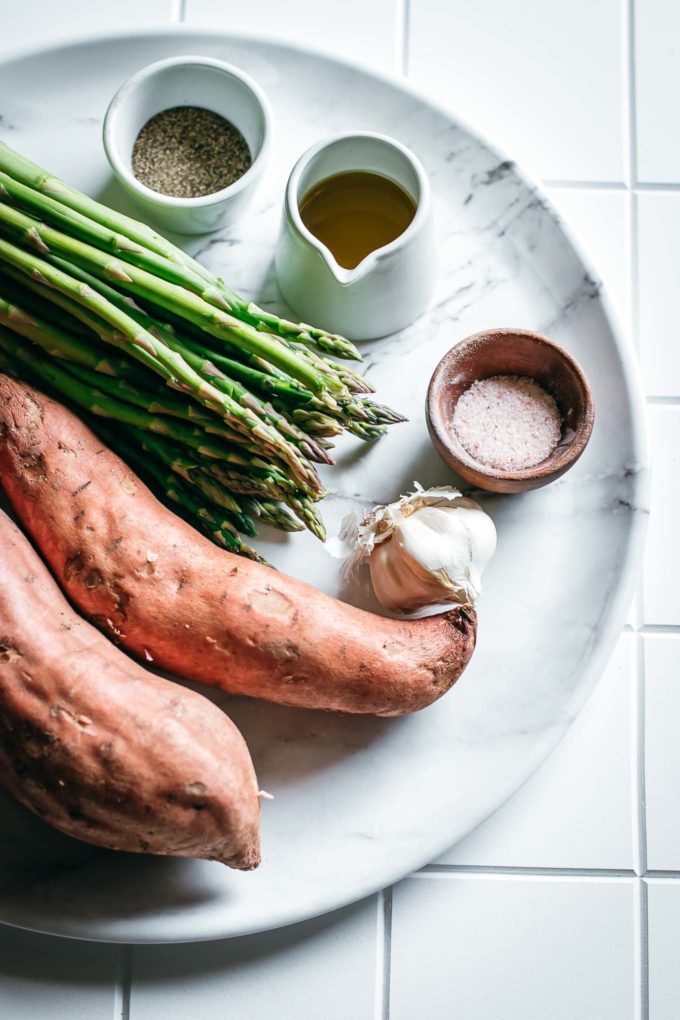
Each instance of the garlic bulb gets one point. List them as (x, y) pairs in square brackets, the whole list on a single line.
[(428, 549)]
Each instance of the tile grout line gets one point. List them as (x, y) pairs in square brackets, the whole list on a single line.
[(585, 185), (633, 262), (643, 906), (640, 756), (123, 984), (444, 871), (642, 939), (379, 955), (405, 35), (528, 871), (385, 898), (632, 93), (644, 186), (387, 903), (640, 847), (672, 401), (657, 186), (638, 982), (634, 272)]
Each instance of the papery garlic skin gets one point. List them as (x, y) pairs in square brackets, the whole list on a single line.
[(428, 549)]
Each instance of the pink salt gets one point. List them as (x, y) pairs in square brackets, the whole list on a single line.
[(507, 422)]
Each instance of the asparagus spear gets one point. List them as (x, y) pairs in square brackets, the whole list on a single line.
[(272, 513), (265, 488), (254, 393), (104, 405), (141, 344), (205, 364), (38, 236), (55, 341), (23, 170), (189, 468), (128, 382), (138, 240), (18, 289), (170, 483), (79, 390), (221, 526), (279, 385), (217, 527)]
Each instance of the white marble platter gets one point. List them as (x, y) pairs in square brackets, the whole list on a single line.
[(360, 802)]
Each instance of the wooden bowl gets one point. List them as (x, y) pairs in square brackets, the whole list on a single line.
[(510, 352)]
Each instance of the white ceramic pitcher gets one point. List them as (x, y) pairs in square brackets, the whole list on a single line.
[(392, 285)]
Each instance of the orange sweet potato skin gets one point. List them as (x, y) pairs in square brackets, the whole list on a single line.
[(166, 593), (100, 748)]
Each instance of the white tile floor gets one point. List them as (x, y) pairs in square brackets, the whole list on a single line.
[(661, 593), (492, 947), (542, 79), (662, 750), (658, 219), (663, 904), (352, 29), (298, 972), (543, 912), (657, 53)]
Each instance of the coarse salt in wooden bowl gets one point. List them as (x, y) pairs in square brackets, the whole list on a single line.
[(510, 352)]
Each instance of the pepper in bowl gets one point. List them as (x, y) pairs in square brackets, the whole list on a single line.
[(188, 139)]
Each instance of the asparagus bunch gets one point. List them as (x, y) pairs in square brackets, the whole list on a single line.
[(225, 408)]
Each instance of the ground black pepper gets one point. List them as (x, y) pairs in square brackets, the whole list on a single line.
[(188, 151)]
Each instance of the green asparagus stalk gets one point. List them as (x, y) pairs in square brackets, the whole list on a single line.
[(128, 383), (122, 316), (23, 170), (273, 514), (43, 207), (218, 487), (190, 470), (248, 311), (18, 289), (141, 344), (169, 482), (200, 359), (221, 526), (133, 239), (100, 403), (47, 240), (78, 389), (280, 385), (54, 341), (217, 527)]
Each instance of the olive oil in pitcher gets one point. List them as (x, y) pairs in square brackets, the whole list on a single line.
[(355, 213)]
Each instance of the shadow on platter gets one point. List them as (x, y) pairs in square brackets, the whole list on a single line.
[(38, 863), (288, 744)]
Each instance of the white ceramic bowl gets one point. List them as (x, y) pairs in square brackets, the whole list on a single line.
[(189, 81)]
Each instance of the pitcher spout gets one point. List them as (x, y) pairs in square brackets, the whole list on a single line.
[(346, 277)]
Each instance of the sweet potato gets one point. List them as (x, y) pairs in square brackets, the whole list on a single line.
[(167, 594), (100, 748)]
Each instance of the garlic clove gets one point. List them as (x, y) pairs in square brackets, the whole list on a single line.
[(429, 549)]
